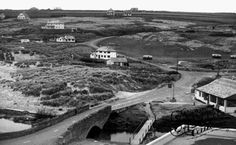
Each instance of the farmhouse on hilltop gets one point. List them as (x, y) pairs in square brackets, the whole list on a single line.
[(2, 16), (23, 16), (67, 38), (104, 52), (221, 93), (55, 24), (111, 12)]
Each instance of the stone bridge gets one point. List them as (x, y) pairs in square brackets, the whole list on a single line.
[(76, 126), (88, 127)]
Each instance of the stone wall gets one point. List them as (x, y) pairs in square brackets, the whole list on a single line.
[(80, 129), (43, 124)]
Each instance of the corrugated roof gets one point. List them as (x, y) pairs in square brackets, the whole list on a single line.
[(222, 88), (105, 48)]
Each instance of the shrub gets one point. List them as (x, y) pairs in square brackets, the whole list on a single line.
[(203, 82), (54, 89), (44, 113)]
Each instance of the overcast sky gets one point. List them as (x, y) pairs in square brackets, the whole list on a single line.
[(168, 5)]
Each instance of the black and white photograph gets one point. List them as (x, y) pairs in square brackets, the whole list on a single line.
[(118, 72)]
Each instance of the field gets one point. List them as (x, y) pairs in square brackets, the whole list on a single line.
[(186, 45), (61, 74)]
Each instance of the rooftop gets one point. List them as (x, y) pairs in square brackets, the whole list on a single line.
[(222, 88), (106, 48)]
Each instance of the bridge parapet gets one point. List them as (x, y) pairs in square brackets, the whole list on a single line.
[(80, 129)]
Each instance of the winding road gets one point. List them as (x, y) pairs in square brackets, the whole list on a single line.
[(182, 88)]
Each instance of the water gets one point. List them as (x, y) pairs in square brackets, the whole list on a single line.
[(10, 126), (121, 137)]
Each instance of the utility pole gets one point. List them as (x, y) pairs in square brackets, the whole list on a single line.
[(172, 85), (177, 61)]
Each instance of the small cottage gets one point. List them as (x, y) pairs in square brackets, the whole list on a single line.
[(67, 39), (120, 61), (233, 56), (23, 16), (104, 52), (111, 12), (147, 57), (221, 93), (2, 16), (24, 40)]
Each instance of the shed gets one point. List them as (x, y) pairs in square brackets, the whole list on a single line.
[(221, 93), (122, 61)]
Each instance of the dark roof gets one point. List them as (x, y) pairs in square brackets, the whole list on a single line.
[(222, 88)]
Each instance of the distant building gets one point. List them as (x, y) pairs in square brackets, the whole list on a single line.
[(37, 40), (55, 24), (111, 12), (221, 93), (67, 38), (134, 9), (147, 57), (2, 16), (120, 61), (127, 13), (24, 40), (23, 16), (233, 56), (216, 55), (104, 52)]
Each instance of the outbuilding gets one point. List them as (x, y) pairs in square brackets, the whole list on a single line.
[(147, 57), (23, 16), (221, 93), (120, 61)]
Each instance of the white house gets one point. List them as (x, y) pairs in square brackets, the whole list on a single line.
[(111, 12), (55, 24), (104, 52), (120, 61), (23, 16), (67, 38), (24, 40), (221, 93)]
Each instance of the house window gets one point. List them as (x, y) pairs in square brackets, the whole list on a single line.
[(231, 103), (221, 101), (205, 96), (105, 56), (108, 56), (213, 99), (108, 52), (100, 51)]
